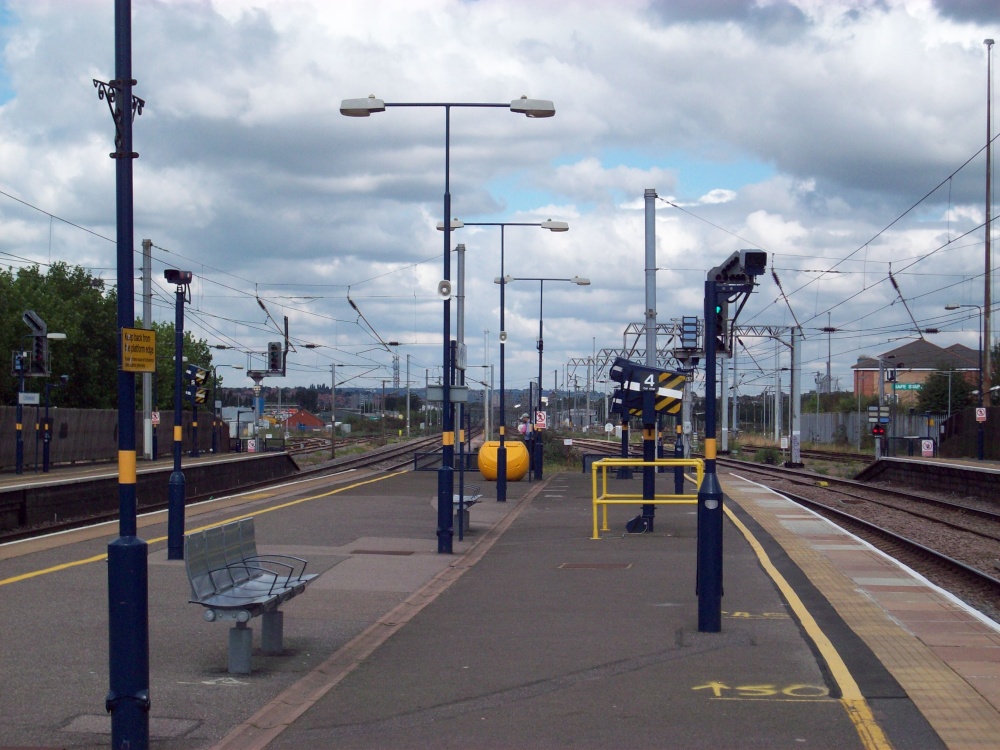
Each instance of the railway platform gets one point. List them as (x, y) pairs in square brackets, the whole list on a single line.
[(530, 635)]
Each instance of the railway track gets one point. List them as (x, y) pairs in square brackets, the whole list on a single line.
[(388, 458)]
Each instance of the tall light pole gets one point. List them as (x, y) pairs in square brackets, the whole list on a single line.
[(987, 370), (537, 406), (534, 108), (552, 226), (128, 573), (980, 440)]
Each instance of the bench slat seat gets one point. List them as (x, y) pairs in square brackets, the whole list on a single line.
[(234, 582)]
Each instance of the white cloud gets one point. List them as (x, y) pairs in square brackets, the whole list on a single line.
[(803, 128)]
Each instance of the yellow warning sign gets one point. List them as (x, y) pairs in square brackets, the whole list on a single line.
[(138, 350)]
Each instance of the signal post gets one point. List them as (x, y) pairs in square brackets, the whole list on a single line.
[(726, 283)]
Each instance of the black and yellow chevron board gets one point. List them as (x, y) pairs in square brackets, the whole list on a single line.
[(669, 393)]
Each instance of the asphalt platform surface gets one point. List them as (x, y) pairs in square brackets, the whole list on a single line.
[(531, 635)]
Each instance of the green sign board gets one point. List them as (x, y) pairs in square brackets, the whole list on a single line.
[(906, 386)]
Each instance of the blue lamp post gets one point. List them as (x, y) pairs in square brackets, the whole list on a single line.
[(364, 107), (552, 226)]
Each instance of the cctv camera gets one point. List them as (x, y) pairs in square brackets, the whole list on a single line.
[(177, 277)]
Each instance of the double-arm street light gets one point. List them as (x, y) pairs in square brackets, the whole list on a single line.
[(537, 406), (979, 433), (534, 108), (552, 226)]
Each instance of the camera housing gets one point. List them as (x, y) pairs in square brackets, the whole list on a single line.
[(177, 277)]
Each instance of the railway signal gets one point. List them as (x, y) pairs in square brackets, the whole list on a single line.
[(196, 377), (274, 357)]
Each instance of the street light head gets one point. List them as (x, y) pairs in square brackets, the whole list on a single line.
[(555, 226), (361, 107), (55, 336), (505, 280), (455, 224), (952, 306), (580, 281), (532, 107)]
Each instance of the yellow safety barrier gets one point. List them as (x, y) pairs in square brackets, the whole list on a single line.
[(605, 498)]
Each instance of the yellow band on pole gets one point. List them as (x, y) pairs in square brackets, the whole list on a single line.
[(679, 429), (502, 431), (447, 438), (19, 426), (710, 448), (194, 424), (178, 433), (126, 467), (461, 436), (648, 434)]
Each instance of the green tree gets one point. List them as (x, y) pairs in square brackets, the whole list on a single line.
[(941, 386), (71, 301)]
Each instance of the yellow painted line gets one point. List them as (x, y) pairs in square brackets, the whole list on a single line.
[(54, 569), (852, 700), (259, 512)]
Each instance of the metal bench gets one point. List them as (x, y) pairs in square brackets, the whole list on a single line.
[(233, 582), (470, 496)]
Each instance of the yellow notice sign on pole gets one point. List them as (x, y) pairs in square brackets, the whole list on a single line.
[(138, 350)]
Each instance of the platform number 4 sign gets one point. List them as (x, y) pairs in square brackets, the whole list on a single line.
[(649, 384)]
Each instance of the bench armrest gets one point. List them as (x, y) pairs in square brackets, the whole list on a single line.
[(276, 560), (275, 575)]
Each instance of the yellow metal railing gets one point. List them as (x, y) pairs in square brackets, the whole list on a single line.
[(605, 498)]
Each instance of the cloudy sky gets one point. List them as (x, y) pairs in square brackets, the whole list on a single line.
[(844, 137)]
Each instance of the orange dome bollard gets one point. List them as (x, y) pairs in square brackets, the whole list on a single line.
[(517, 460)]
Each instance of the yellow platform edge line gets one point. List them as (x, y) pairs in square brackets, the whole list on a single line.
[(258, 512), (854, 703)]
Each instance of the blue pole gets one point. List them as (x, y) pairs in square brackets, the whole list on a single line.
[(709, 575), (176, 488), (502, 449), (19, 459), (679, 453), (446, 474), (648, 455), (128, 583)]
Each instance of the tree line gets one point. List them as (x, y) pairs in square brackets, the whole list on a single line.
[(74, 302)]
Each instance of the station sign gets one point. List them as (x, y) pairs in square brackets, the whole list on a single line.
[(28, 399)]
